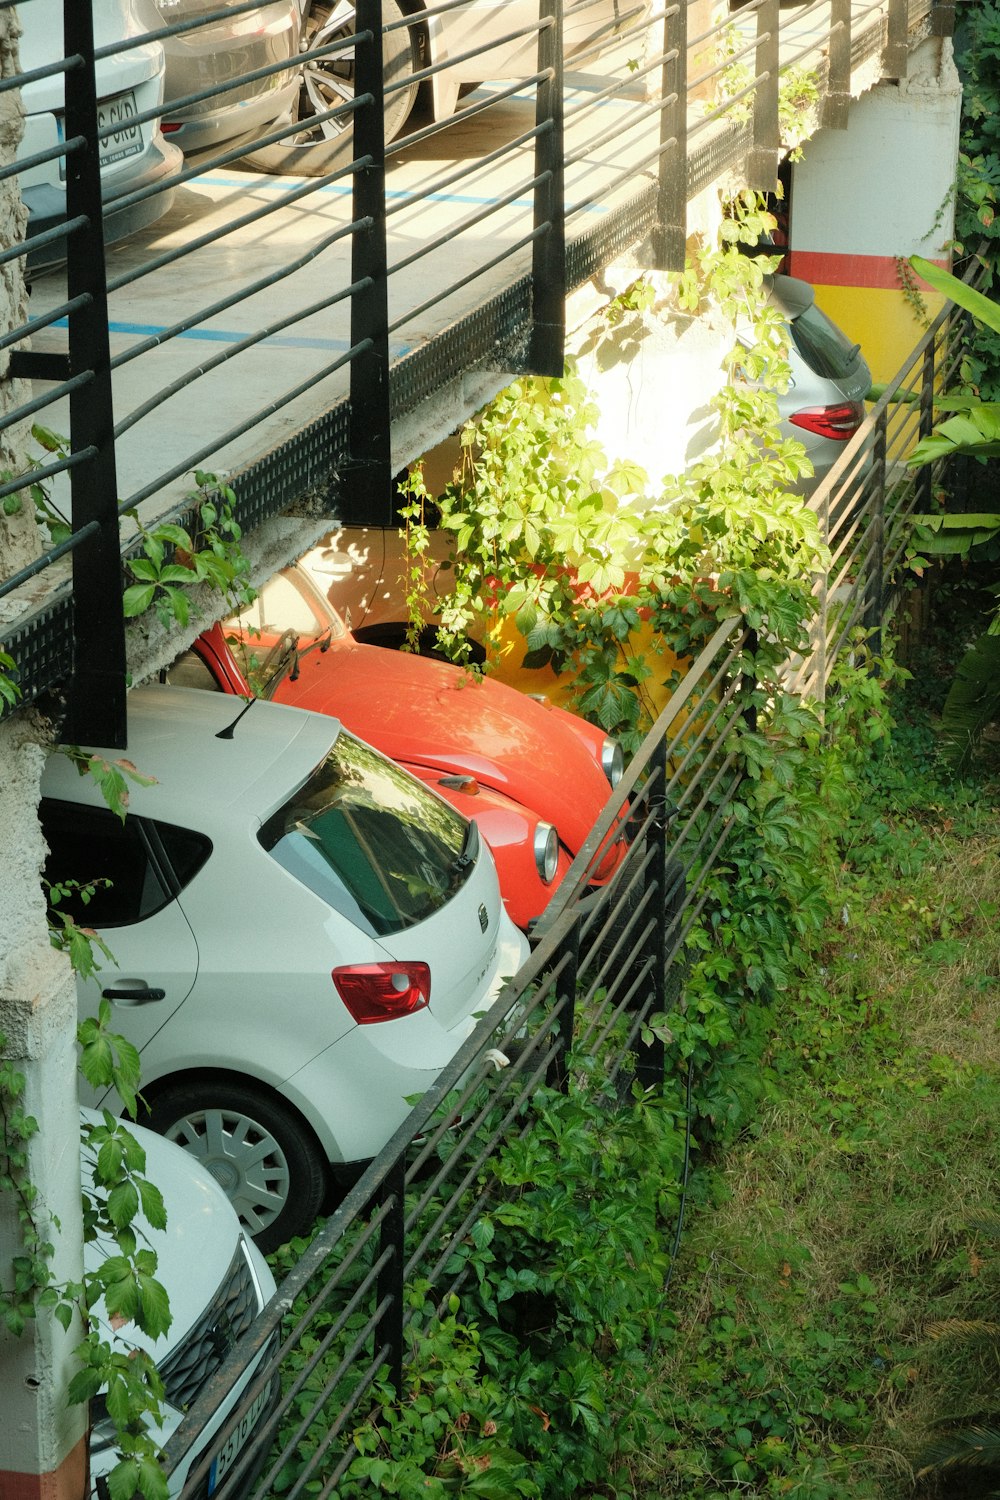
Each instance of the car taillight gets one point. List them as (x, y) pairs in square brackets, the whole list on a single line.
[(381, 992), (839, 422)]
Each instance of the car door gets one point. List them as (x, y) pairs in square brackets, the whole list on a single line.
[(122, 880)]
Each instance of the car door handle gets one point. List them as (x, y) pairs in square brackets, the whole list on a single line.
[(133, 992)]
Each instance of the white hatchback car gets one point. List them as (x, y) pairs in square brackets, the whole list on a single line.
[(303, 934), (133, 154), (217, 1282)]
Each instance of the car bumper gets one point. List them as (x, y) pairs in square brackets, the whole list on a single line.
[(46, 205)]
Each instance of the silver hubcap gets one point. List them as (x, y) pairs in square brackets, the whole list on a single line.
[(330, 81), (243, 1157)]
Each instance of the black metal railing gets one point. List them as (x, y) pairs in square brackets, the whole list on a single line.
[(279, 329), (609, 960)]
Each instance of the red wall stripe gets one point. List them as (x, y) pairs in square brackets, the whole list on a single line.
[(825, 268)]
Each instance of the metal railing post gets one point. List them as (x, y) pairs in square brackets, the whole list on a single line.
[(548, 259), (97, 691), (895, 56), (368, 490), (836, 105), (390, 1287), (557, 1075), (668, 240), (875, 583), (925, 474), (943, 18), (650, 1055), (763, 157)]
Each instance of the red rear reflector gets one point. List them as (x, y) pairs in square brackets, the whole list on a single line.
[(838, 422), (380, 992), (169, 127)]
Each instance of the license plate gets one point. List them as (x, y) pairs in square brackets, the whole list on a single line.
[(126, 138), (228, 1453)]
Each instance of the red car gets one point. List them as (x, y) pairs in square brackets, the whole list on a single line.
[(534, 777)]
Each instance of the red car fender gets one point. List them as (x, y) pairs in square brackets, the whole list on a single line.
[(509, 831)]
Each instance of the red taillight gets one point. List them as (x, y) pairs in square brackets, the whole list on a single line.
[(838, 422), (381, 992)]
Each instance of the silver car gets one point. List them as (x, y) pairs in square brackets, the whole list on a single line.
[(446, 38), (133, 155), (202, 57), (825, 402)]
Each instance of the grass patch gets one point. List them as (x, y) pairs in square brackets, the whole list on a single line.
[(842, 1223)]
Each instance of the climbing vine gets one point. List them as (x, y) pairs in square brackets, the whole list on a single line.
[(583, 566), (119, 1202)]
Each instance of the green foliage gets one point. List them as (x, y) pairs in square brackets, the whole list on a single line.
[(582, 561), (174, 560), (527, 1385), (9, 690), (111, 776), (123, 1289)]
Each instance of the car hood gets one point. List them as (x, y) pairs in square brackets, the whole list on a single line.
[(195, 1250), (431, 714)]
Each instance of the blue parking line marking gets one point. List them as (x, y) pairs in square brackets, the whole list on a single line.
[(227, 336)]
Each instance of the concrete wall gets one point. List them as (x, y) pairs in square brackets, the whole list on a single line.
[(880, 190)]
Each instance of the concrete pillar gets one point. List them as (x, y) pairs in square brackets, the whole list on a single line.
[(865, 197), (42, 1444), (42, 1439)]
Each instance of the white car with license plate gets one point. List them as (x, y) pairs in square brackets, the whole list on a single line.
[(302, 934), (133, 153), (216, 1282)]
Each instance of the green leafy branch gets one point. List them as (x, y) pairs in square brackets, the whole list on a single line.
[(175, 561)]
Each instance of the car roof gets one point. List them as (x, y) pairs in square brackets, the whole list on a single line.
[(789, 295), (173, 735)]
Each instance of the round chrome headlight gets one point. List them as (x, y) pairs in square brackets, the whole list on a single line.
[(546, 851), (613, 761)]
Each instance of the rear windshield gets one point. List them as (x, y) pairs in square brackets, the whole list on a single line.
[(826, 350), (370, 841)]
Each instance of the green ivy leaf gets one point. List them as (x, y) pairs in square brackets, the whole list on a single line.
[(137, 599)]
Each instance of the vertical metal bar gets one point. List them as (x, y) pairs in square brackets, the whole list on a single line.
[(669, 234), (896, 54), (96, 706), (390, 1279), (875, 583), (547, 355), (557, 1075), (836, 105), (925, 474), (943, 18), (650, 1055), (822, 624), (749, 683), (762, 159), (368, 484)]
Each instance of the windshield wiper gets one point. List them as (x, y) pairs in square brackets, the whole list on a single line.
[(469, 851)]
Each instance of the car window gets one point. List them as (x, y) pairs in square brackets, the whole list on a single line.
[(371, 841), (92, 843), (281, 606), (190, 671), (826, 350)]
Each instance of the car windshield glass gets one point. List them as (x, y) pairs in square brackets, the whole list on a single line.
[(828, 352), (371, 841)]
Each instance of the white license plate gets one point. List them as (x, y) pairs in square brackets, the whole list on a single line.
[(126, 139), (228, 1453)]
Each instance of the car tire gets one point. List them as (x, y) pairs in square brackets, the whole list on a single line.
[(316, 149), (259, 1150)]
